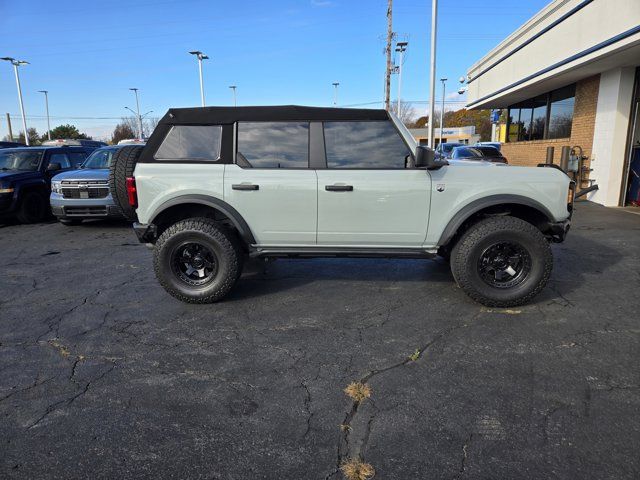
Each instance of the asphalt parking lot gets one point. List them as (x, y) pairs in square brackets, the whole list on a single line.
[(104, 375)]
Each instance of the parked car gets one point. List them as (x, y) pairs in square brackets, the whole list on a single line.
[(84, 193), (216, 183), (488, 154), (443, 150), (11, 144), (496, 145), (80, 142), (25, 177)]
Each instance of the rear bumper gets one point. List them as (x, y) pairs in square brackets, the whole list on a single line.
[(146, 233)]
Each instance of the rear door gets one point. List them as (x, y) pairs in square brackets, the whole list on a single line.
[(270, 183), (369, 195)]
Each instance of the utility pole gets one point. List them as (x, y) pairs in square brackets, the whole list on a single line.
[(335, 93), (387, 83), (9, 126), (135, 90), (46, 103), (432, 96), (400, 48), (444, 81), (233, 87), (16, 64), (201, 56)]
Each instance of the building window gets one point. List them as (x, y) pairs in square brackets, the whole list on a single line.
[(543, 117)]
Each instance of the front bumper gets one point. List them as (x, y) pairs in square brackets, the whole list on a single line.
[(557, 231), (84, 208)]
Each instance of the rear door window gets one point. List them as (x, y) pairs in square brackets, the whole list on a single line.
[(273, 145), (199, 143)]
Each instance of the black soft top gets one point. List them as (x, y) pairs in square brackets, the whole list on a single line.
[(228, 115)]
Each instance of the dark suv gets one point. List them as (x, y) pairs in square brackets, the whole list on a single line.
[(25, 178)]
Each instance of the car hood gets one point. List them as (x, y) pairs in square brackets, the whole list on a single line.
[(84, 174), (475, 163), (16, 175)]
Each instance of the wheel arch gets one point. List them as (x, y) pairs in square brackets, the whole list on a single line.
[(185, 206), (524, 208)]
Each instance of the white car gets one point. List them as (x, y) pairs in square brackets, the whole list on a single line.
[(215, 184)]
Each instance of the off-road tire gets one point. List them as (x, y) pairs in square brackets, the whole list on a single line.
[(213, 236), (466, 255), (122, 166), (33, 208), (70, 222)]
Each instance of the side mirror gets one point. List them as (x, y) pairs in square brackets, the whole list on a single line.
[(425, 157), (54, 167)]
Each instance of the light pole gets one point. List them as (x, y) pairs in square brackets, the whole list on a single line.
[(335, 93), (46, 103), (135, 91), (16, 64), (432, 97), (201, 56), (233, 87), (140, 117), (444, 82), (400, 48)]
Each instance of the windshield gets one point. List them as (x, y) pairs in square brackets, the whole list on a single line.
[(465, 152), (100, 158), (28, 160)]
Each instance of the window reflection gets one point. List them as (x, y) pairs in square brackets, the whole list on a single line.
[(274, 144)]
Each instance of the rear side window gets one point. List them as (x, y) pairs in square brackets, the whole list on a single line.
[(191, 142), (273, 144), (370, 145)]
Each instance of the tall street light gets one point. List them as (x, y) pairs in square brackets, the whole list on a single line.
[(233, 87), (46, 103), (201, 56), (16, 64), (401, 47), (444, 82), (335, 93), (135, 90), (432, 97), (141, 117)]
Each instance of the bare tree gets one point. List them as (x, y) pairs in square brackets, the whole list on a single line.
[(407, 113)]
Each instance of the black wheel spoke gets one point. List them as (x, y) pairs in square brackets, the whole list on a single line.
[(194, 264), (504, 264)]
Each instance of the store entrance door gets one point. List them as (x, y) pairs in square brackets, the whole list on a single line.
[(632, 190)]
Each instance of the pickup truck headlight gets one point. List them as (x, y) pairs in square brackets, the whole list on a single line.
[(6, 188), (56, 187)]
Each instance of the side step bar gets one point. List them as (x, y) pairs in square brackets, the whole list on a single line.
[(320, 252)]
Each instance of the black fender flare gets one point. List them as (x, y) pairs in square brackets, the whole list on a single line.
[(223, 207), (468, 210)]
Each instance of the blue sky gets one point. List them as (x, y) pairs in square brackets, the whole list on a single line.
[(276, 52)]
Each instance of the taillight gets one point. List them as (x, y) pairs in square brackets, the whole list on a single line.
[(132, 193)]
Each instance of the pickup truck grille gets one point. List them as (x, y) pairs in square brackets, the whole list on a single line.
[(85, 211), (85, 189)]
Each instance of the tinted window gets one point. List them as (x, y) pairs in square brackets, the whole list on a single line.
[(99, 159), (273, 144), (20, 159), (561, 112), (463, 152), (77, 158), (189, 142), (60, 158), (364, 145), (488, 151)]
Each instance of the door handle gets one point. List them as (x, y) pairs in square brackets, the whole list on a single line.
[(338, 188), (245, 186)]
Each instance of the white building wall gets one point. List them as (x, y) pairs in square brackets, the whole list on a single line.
[(610, 134)]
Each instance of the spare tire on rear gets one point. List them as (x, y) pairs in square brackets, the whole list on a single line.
[(123, 163)]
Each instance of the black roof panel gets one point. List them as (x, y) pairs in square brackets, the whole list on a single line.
[(227, 115)]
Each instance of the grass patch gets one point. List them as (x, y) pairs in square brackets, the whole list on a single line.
[(355, 469), (358, 391)]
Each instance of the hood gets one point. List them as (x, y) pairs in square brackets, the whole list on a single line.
[(84, 174), (16, 175)]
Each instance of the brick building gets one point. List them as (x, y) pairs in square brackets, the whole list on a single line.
[(570, 77)]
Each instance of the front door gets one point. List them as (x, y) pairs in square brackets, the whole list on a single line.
[(271, 184), (368, 196)]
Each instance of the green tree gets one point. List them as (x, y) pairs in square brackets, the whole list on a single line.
[(122, 131), (34, 138), (67, 131)]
